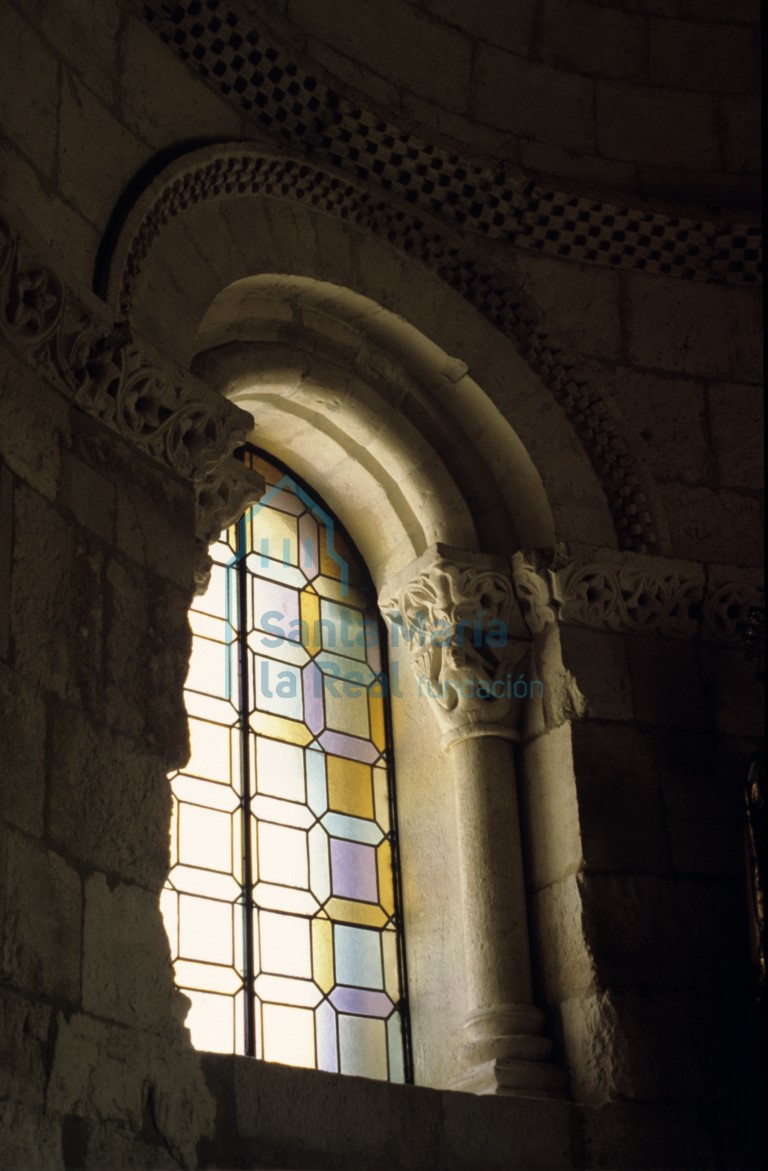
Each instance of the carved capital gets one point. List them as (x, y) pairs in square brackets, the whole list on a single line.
[(222, 498), (461, 623)]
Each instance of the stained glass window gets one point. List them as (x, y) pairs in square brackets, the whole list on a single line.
[(282, 904)]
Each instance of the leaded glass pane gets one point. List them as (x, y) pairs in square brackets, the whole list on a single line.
[(280, 905)]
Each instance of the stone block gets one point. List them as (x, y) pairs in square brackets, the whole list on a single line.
[(700, 329), (740, 117), (673, 934), (665, 682), (127, 974), (743, 11), (668, 417), (531, 98), (86, 35), (22, 752), (29, 1138), (550, 811), (97, 155), (561, 952), (35, 424), (736, 417), (586, 168), (687, 55), (595, 41), (508, 27), (109, 802), (40, 911), (156, 523), (598, 663), (6, 559), (57, 602), (24, 1028), (27, 112), (736, 700), (620, 809), (507, 1133), (162, 100), (89, 496), (713, 526), (703, 805), (653, 125), (127, 680), (595, 1046), (579, 301), (390, 38), (655, 1136), (97, 1071)]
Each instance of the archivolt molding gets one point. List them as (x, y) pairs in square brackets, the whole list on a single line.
[(301, 108), (95, 363), (629, 595), (237, 170)]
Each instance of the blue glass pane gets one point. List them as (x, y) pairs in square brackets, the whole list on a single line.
[(358, 957)]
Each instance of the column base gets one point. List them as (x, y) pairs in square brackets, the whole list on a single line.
[(507, 1052)]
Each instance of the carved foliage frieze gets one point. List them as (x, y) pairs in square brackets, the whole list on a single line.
[(678, 601)]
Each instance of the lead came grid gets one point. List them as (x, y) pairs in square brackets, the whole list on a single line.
[(280, 904)]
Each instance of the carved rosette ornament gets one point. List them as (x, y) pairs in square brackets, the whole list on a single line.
[(96, 364), (626, 596), (458, 620)]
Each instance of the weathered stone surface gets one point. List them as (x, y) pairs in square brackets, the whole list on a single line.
[(651, 1135), (694, 56), (703, 802), (22, 752), (109, 802), (57, 601), (591, 40), (736, 418), (740, 114), (598, 663), (29, 1138), (595, 1046), (24, 1027), (127, 973), (672, 934), (582, 304), (89, 496), (668, 417), (35, 424), (736, 698), (619, 799), (40, 911), (98, 1070), (536, 99), (25, 116), (665, 682), (713, 526), (70, 27), (658, 125)]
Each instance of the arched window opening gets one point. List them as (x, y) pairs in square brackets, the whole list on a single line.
[(282, 902)]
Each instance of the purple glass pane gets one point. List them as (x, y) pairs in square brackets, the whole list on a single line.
[(361, 1001), (313, 697), (353, 871), (283, 500), (349, 746), (309, 549)]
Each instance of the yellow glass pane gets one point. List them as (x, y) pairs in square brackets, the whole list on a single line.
[(322, 953), (376, 706), (280, 729), (346, 703), (310, 616), (386, 885), (275, 536), (349, 787), (347, 911), (381, 793)]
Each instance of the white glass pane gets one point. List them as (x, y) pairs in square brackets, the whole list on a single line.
[(205, 930), (282, 855), (289, 1035), (284, 945)]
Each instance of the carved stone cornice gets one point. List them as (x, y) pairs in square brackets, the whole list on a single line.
[(627, 594), (95, 363), (461, 621)]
